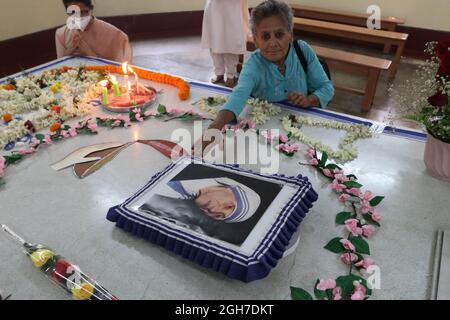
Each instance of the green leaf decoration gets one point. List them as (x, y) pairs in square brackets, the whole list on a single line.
[(376, 201), (347, 287), (12, 159), (335, 246), (369, 220), (352, 184), (320, 295), (360, 244), (332, 166), (324, 160), (300, 294), (343, 216), (40, 137), (162, 109)]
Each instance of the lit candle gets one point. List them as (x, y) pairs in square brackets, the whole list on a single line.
[(104, 85), (125, 74), (136, 79), (115, 84)]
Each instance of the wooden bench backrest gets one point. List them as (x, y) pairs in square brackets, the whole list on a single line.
[(337, 27), (339, 16), (344, 56), (352, 58)]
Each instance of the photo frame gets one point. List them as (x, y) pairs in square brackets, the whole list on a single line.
[(222, 217)]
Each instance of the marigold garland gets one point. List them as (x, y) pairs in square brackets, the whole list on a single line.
[(184, 90)]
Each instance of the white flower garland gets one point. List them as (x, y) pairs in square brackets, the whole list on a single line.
[(347, 153), (261, 113), (74, 96)]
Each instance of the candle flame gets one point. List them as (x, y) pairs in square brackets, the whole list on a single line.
[(125, 68), (104, 83)]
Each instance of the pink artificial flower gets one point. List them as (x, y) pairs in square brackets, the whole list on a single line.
[(137, 110), (314, 162), (352, 226), (365, 264), (127, 121), (367, 196), (190, 111), (73, 132), (92, 125), (175, 110), (150, 113), (34, 142), (288, 148), (328, 173), (268, 136), (344, 198), (65, 134), (368, 231), (348, 245), (338, 171), (2, 165), (360, 291), (336, 186), (26, 152), (348, 258), (365, 206), (47, 139), (284, 138), (354, 191), (139, 118), (376, 216), (341, 177), (312, 152), (116, 123), (327, 284), (337, 293)]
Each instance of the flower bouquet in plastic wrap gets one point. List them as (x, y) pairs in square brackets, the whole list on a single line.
[(61, 271)]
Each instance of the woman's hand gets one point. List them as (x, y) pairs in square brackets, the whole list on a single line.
[(214, 131), (301, 100)]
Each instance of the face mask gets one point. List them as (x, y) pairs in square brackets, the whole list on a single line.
[(84, 21), (79, 23)]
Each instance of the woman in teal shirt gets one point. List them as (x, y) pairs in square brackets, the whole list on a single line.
[(274, 71)]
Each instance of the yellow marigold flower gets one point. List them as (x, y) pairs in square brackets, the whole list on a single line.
[(40, 257)]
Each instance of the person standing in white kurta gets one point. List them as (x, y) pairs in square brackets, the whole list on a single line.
[(225, 33)]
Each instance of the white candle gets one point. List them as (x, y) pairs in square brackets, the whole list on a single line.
[(136, 78), (125, 73)]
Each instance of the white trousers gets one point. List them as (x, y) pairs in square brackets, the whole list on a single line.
[(225, 64)]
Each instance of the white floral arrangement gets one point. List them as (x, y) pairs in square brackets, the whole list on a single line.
[(71, 91), (260, 114), (347, 150)]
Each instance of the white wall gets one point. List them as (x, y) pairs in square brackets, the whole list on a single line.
[(21, 17)]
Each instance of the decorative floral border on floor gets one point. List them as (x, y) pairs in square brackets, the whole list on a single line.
[(361, 221)]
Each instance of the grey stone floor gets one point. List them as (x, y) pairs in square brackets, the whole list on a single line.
[(185, 57)]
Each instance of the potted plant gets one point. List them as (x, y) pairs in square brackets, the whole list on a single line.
[(425, 99)]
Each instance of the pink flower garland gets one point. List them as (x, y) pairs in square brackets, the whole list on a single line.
[(360, 223)]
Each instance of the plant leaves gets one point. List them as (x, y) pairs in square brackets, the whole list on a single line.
[(343, 216), (300, 294), (352, 184), (12, 159), (360, 244), (376, 201), (324, 159), (162, 109), (352, 177), (332, 166), (320, 295), (40, 137), (369, 220), (335, 246)]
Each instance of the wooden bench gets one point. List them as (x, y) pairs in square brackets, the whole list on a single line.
[(357, 33), (353, 63), (386, 23)]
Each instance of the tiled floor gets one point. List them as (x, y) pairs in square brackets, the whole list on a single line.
[(185, 57)]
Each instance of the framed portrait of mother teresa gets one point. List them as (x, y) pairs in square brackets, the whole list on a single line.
[(222, 217)]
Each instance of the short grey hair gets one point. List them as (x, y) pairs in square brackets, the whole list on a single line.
[(270, 8)]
